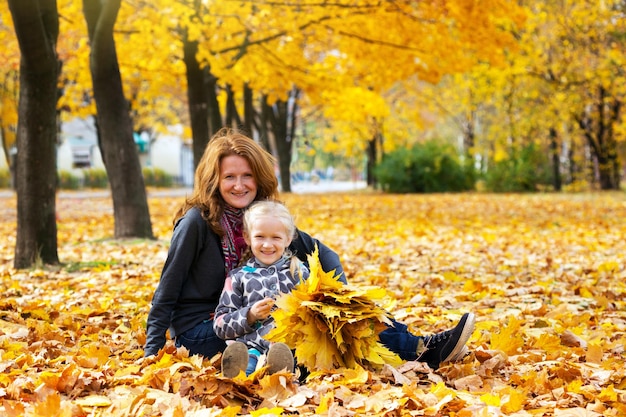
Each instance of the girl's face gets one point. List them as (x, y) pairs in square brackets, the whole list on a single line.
[(267, 239), (237, 184)]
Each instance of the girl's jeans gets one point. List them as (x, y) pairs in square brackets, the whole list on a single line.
[(398, 340), (253, 359)]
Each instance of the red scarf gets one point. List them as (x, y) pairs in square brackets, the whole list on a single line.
[(233, 243)]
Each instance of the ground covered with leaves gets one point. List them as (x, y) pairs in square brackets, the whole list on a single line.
[(544, 274)]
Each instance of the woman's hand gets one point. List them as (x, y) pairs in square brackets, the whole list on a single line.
[(260, 310)]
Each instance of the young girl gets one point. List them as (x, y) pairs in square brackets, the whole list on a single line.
[(243, 312)]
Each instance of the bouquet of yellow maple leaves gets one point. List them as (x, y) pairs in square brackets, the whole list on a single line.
[(330, 324)]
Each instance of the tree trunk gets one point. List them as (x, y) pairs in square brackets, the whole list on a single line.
[(197, 99), (469, 135), (372, 156), (233, 119), (605, 171), (264, 132), (215, 115), (37, 28), (556, 165), (248, 110), (573, 165), (615, 164), (119, 151), (596, 123), (282, 119)]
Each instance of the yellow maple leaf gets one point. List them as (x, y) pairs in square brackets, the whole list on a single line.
[(594, 353), (550, 343), (512, 400), (509, 340), (276, 411), (441, 390), (50, 378), (322, 354), (575, 386), (51, 406), (608, 394), (276, 387), (608, 267), (491, 399), (93, 354), (325, 402)]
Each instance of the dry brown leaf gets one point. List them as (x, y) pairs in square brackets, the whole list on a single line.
[(570, 339)]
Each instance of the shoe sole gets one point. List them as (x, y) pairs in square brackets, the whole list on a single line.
[(234, 359), (279, 358), (460, 350)]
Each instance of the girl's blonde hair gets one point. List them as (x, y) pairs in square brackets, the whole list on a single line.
[(277, 210), (206, 189), (269, 208)]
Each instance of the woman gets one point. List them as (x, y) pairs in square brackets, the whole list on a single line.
[(207, 243)]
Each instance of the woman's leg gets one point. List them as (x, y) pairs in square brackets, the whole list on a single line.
[(201, 340)]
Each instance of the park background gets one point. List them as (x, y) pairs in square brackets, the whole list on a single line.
[(411, 99), (524, 96)]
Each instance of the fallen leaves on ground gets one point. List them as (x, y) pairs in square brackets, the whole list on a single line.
[(544, 274)]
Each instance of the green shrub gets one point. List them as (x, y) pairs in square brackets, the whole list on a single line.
[(5, 178), (527, 171), (69, 181), (156, 177), (96, 178), (427, 167)]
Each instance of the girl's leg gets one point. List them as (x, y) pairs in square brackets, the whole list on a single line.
[(434, 349), (280, 357), (253, 359), (399, 340), (234, 359)]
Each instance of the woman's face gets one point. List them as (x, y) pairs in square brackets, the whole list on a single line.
[(237, 184)]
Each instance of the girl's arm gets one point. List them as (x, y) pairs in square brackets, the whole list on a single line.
[(231, 314)]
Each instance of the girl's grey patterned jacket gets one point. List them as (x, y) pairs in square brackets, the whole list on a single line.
[(245, 286)]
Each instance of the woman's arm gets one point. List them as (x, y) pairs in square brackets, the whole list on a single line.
[(304, 245), (186, 238)]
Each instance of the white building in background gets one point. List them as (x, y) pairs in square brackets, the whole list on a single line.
[(168, 152), (3, 159)]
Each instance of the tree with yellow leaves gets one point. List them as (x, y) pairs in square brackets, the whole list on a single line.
[(560, 92), (400, 41)]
